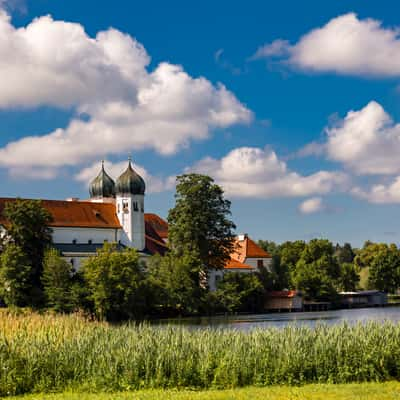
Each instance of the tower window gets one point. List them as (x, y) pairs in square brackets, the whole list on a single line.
[(125, 207), (90, 241), (135, 206), (74, 241)]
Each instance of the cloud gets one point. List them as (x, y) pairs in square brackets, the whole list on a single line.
[(258, 173), (380, 193), (225, 64), (366, 141), (277, 48), (154, 184), (312, 206), (345, 45), (126, 106)]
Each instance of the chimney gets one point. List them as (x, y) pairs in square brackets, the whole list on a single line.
[(242, 236)]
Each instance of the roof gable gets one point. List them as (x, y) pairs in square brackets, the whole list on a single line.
[(247, 248)]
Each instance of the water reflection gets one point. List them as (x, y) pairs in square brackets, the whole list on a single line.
[(280, 320)]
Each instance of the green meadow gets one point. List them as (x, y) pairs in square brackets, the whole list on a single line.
[(367, 391), (49, 354)]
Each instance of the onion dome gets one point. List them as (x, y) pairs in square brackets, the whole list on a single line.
[(130, 182), (102, 185)]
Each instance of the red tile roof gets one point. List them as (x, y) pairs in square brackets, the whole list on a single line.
[(235, 264), (79, 214), (158, 224), (247, 248)]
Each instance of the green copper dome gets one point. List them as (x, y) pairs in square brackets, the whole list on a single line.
[(102, 185), (130, 182)]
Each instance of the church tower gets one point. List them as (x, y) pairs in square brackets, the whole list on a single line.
[(130, 188)]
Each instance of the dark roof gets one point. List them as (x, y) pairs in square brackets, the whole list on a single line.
[(102, 185), (80, 247), (130, 182)]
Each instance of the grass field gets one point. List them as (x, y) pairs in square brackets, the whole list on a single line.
[(49, 353), (368, 391)]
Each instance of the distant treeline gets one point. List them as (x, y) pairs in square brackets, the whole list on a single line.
[(320, 269)]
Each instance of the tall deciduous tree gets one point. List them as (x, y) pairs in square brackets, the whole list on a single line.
[(57, 281), (384, 269), (317, 272), (28, 228), (115, 281), (173, 282), (200, 221), (15, 276)]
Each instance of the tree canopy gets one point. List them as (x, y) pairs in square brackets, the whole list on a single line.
[(200, 221), (115, 283), (28, 228)]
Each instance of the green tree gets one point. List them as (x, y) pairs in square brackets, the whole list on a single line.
[(174, 284), (349, 277), (200, 221), (345, 253), (15, 276), (384, 270), (57, 281), (28, 227), (240, 292), (317, 272), (115, 281), (289, 255)]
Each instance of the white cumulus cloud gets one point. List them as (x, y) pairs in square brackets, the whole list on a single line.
[(345, 45), (255, 172), (366, 141), (312, 205), (380, 193), (106, 77)]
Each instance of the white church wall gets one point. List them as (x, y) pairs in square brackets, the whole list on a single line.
[(83, 235), (253, 262)]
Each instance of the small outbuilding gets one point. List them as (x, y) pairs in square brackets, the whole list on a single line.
[(283, 300), (365, 298)]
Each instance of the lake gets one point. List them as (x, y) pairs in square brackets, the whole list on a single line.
[(280, 320)]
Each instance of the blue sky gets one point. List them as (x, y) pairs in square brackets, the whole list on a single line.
[(292, 106)]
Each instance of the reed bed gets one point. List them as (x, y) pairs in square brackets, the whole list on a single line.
[(48, 353)]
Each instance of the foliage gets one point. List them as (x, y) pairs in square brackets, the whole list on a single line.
[(384, 271), (174, 284), (317, 272), (240, 292), (349, 277), (115, 283), (15, 276), (28, 228), (383, 264), (199, 223), (344, 254), (55, 353), (57, 281)]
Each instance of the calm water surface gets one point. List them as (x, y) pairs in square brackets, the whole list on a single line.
[(280, 320)]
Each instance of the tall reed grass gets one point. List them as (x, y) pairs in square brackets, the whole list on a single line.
[(55, 353)]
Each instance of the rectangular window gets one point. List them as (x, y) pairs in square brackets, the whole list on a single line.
[(260, 263)]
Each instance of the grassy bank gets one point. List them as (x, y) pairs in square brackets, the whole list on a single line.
[(53, 353), (366, 391)]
